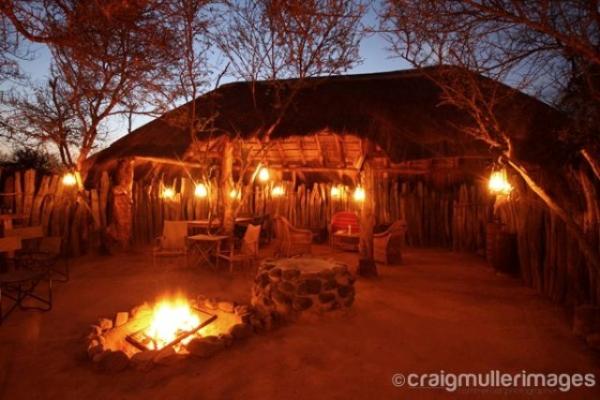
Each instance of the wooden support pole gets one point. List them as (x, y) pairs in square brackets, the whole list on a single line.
[(366, 263), (120, 227), (226, 185)]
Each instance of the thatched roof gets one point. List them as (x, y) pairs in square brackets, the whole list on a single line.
[(401, 112)]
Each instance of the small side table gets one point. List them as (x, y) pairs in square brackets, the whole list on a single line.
[(346, 240), (206, 246)]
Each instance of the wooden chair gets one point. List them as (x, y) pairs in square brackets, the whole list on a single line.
[(388, 245), (342, 221), (28, 235), (21, 284), (291, 240), (248, 252), (172, 243)]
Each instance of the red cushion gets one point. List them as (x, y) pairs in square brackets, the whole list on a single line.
[(341, 220)]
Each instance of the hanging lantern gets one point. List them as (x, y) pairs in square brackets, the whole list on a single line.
[(69, 179), (277, 191), (359, 194), (201, 191), (336, 191), (234, 194), (168, 193), (498, 183), (263, 174)]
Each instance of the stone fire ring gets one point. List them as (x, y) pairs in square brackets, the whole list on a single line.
[(287, 287), (109, 350)]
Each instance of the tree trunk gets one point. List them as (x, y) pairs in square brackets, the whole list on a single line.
[(366, 263), (119, 230), (226, 187)]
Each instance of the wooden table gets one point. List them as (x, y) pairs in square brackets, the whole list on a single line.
[(347, 240), (205, 246), (6, 220)]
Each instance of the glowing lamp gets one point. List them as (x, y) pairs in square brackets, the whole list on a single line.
[(498, 183), (335, 191), (168, 193), (359, 194), (277, 191), (234, 194), (69, 179), (200, 190), (263, 174)]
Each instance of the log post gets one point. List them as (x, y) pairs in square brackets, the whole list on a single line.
[(120, 227), (226, 187), (366, 263)]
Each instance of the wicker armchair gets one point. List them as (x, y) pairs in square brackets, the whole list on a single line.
[(291, 240), (342, 221), (388, 245)]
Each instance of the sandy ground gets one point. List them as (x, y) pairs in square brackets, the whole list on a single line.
[(439, 311)]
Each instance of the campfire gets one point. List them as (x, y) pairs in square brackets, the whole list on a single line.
[(173, 323)]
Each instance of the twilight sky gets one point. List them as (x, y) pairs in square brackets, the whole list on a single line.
[(372, 51)]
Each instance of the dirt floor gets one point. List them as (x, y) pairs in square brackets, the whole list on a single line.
[(439, 311)]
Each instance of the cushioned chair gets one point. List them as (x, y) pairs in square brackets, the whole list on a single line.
[(388, 245), (291, 241), (247, 254), (173, 242)]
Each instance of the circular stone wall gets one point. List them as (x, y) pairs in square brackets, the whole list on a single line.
[(286, 287)]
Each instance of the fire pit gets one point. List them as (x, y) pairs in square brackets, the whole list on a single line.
[(173, 324), (171, 329)]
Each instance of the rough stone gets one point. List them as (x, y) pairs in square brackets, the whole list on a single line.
[(121, 318), (227, 306), (165, 356), (211, 304), (345, 291), (280, 298), (100, 356), (326, 297), (240, 331), (262, 279), (227, 339), (95, 331), (343, 279), (105, 324), (267, 266), (309, 286), (329, 284), (242, 309), (302, 303), (286, 287), (114, 361), (95, 347), (275, 274), (143, 360), (290, 274), (205, 347)]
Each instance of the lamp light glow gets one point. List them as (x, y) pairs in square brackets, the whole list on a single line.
[(201, 191), (359, 194), (277, 191), (336, 191), (69, 179), (263, 174), (498, 183), (234, 194), (168, 193)]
